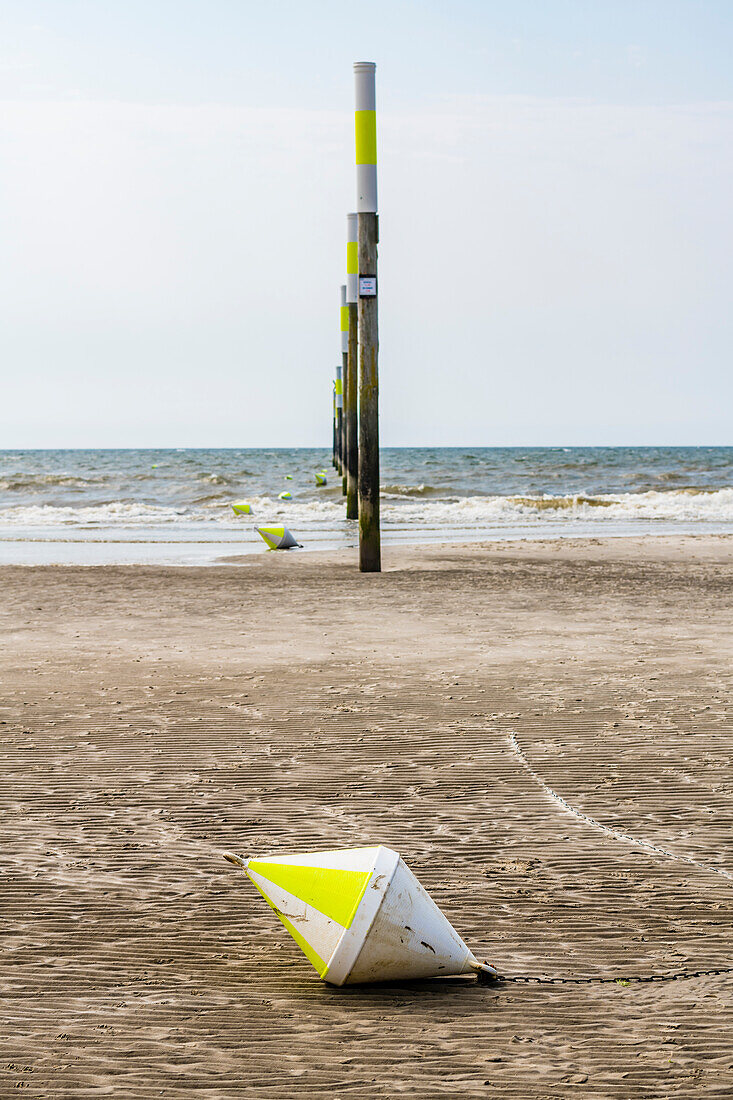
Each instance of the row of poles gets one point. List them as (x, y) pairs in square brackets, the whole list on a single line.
[(356, 389)]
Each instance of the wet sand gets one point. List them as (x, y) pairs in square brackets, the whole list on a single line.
[(153, 717)]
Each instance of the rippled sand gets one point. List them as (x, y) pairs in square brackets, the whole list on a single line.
[(154, 717)]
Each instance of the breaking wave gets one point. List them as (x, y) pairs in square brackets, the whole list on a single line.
[(684, 506), (41, 482), (115, 514), (388, 491)]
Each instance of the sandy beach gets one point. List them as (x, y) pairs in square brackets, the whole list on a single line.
[(153, 717)]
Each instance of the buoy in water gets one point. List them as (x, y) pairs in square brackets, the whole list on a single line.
[(285, 496), (360, 915), (241, 507), (288, 477), (277, 538), (321, 479)]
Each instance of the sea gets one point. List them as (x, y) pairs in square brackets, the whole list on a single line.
[(173, 506)]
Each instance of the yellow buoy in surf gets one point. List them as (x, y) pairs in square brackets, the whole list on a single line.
[(285, 496), (321, 479), (277, 538), (241, 507), (288, 477)]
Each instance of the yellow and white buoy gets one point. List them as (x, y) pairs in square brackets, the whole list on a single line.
[(277, 538), (360, 915)]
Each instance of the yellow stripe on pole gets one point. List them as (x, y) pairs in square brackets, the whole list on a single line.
[(366, 137), (344, 318), (339, 387), (352, 258)]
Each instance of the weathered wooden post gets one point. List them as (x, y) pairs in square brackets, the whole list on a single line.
[(344, 320), (370, 554), (333, 396), (351, 413), (339, 391)]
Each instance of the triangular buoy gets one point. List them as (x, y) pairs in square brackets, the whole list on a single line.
[(285, 496), (360, 915), (241, 507), (321, 479), (277, 538)]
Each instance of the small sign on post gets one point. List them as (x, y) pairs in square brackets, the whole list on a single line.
[(367, 286)]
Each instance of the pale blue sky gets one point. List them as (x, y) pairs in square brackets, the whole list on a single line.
[(557, 244)]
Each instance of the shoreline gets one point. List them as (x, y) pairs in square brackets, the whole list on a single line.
[(42, 552)]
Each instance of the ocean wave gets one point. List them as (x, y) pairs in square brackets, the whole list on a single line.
[(116, 513), (555, 504), (675, 505), (388, 491), (688, 505), (213, 479), (24, 482), (212, 498)]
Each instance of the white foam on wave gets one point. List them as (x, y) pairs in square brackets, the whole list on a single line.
[(116, 513), (682, 506), (673, 506)]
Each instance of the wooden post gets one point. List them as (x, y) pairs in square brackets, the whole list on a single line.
[(339, 390), (345, 376), (333, 396), (370, 553), (351, 415), (344, 321)]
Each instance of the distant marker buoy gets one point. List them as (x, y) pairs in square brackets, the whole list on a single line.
[(288, 477), (277, 538), (154, 466), (285, 496), (360, 915), (241, 507), (321, 479)]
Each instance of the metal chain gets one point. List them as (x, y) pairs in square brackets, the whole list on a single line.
[(685, 975), (530, 979)]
